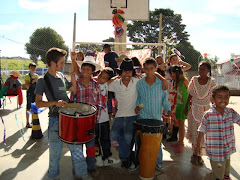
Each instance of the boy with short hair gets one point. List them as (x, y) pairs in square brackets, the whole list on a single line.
[(103, 144), (88, 91), (151, 95), (30, 83), (217, 125), (55, 90)]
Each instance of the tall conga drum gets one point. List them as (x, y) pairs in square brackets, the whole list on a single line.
[(149, 135), (77, 123)]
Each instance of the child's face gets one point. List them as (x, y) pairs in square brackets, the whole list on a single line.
[(174, 60), (79, 57), (102, 77), (203, 70), (173, 75), (32, 68), (221, 99), (86, 71), (149, 69), (60, 64), (159, 60), (126, 75)]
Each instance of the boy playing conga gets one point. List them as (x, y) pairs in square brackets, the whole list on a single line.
[(152, 98)]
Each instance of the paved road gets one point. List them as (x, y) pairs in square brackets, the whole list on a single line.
[(23, 158)]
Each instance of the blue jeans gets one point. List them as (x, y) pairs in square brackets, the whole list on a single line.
[(121, 135), (55, 150)]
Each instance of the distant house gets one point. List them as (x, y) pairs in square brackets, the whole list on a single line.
[(228, 72)]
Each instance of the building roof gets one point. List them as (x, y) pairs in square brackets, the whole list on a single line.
[(227, 60)]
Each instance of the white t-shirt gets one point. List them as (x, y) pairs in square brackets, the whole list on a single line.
[(104, 97), (126, 96)]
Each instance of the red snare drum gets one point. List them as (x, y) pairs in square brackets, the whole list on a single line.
[(77, 125)]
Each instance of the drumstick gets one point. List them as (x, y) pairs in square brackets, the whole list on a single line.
[(84, 108), (73, 106)]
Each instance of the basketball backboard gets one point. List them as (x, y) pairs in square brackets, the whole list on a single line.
[(134, 9)]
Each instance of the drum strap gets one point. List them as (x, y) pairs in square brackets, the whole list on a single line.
[(47, 81), (49, 86)]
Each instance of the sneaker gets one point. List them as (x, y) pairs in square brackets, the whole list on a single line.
[(172, 139), (125, 164), (133, 167), (179, 149), (28, 125), (200, 161), (99, 161), (110, 161), (86, 177), (160, 168), (226, 177), (93, 172), (194, 159)]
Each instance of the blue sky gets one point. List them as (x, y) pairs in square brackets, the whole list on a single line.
[(214, 27)]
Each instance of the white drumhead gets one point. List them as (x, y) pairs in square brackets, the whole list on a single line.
[(85, 109)]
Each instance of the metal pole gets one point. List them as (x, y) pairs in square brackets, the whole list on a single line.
[(74, 32), (0, 71), (160, 33)]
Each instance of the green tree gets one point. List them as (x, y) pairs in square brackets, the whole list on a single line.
[(191, 55), (41, 40), (173, 34)]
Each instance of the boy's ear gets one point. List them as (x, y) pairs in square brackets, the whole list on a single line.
[(212, 100)]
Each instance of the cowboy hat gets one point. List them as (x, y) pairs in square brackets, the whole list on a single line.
[(89, 60), (126, 65), (15, 73)]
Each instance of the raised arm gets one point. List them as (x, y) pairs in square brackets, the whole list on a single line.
[(185, 65), (75, 64)]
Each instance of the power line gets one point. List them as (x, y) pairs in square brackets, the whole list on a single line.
[(32, 46)]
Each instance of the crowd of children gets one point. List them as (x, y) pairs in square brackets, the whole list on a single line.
[(157, 90)]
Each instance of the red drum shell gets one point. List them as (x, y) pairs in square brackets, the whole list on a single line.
[(76, 129)]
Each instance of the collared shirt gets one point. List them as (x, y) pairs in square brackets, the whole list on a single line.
[(90, 95), (126, 96), (219, 130), (153, 98)]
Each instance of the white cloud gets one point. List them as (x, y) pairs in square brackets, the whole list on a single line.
[(225, 7), (197, 19), (53, 6), (216, 42), (12, 26)]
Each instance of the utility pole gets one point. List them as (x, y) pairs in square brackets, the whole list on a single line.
[(160, 34), (0, 71)]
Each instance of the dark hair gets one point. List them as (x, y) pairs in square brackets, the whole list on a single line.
[(178, 70), (150, 61), (55, 54), (207, 65), (109, 71), (172, 55), (90, 65), (136, 61), (32, 64), (218, 88)]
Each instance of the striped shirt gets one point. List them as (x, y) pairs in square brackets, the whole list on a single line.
[(153, 98), (219, 130), (90, 95)]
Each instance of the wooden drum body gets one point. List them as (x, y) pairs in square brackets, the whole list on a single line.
[(149, 133)]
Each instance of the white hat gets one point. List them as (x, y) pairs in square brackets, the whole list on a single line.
[(89, 60)]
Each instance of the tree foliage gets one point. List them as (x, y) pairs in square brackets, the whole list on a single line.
[(41, 41), (173, 34)]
